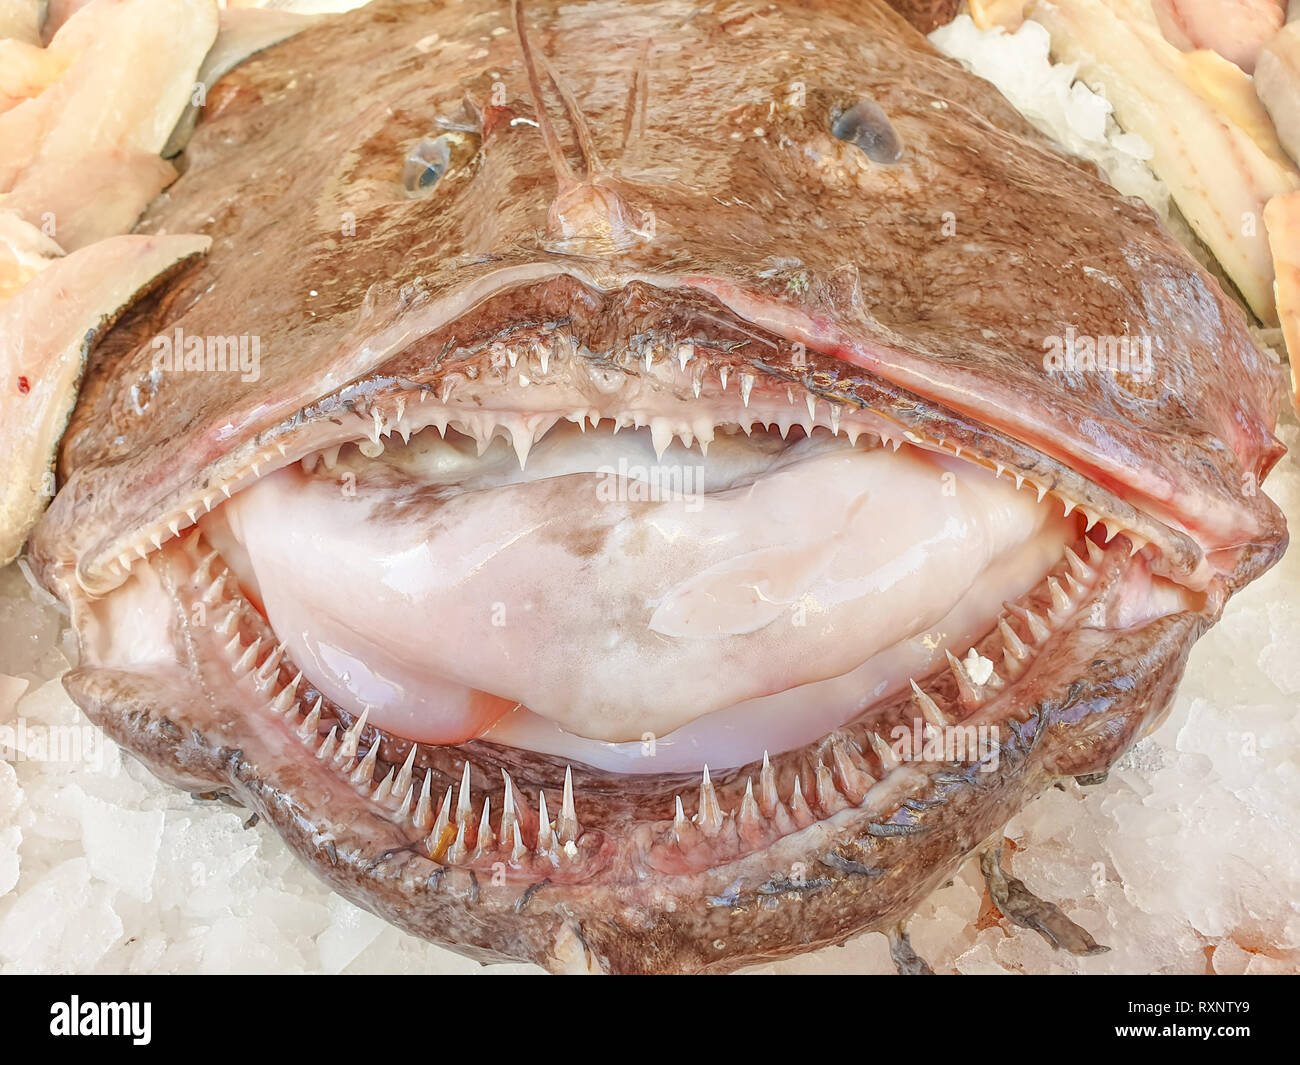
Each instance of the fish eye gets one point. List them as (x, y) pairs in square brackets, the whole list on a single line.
[(432, 157), (425, 165), (866, 126)]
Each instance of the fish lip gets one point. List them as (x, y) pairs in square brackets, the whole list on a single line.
[(631, 912), (102, 565)]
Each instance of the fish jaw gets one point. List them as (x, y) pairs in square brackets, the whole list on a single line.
[(587, 868)]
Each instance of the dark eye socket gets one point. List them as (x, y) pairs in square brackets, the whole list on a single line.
[(866, 126)]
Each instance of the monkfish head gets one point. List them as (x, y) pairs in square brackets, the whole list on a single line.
[(648, 487)]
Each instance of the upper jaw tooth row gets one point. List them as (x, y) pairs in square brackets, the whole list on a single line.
[(842, 779), (774, 404)]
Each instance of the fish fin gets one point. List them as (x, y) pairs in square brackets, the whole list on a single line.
[(1022, 907), (906, 960)]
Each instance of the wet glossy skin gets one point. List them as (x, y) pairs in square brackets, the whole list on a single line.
[(924, 288)]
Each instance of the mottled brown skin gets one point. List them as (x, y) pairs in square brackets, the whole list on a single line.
[(945, 331)]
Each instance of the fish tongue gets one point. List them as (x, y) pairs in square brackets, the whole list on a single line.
[(669, 605)]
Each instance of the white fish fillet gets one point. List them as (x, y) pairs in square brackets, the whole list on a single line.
[(46, 331), (1219, 175)]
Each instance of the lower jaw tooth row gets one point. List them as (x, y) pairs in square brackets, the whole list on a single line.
[(845, 782)]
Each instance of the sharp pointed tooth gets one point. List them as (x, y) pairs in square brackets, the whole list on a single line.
[(685, 352), (928, 707), (853, 432), (403, 808), (248, 658), (1014, 645), (1020, 481), (567, 827), (225, 490), (487, 841), (854, 782), (522, 439), (326, 748), (999, 468), (441, 827), (888, 759), (512, 353), (836, 413), (746, 387), (1089, 518), (812, 407), (697, 385), (463, 799), (1136, 543), (384, 789), (956, 450), (1060, 601), (545, 836), (307, 730), (709, 816), (828, 796), (768, 798), (268, 668), (404, 775), (226, 625), (352, 738), (459, 849), (286, 700), (192, 514), (1095, 552), (661, 435), (214, 590), (1041, 492), (1038, 628), (1112, 528), (448, 387), (508, 820), (423, 817), (798, 804), (517, 848), (1068, 505), (156, 540), (1012, 666), (1076, 589), (968, 691), (723, 373), (1077, 565), (364, 773), (124, 561), (681, 826), (175, 527), (749, 817)]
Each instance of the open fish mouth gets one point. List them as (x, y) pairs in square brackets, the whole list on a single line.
[(557, 626), (585, 579)]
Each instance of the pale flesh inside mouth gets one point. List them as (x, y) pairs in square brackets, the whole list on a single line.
[(604, 595)]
